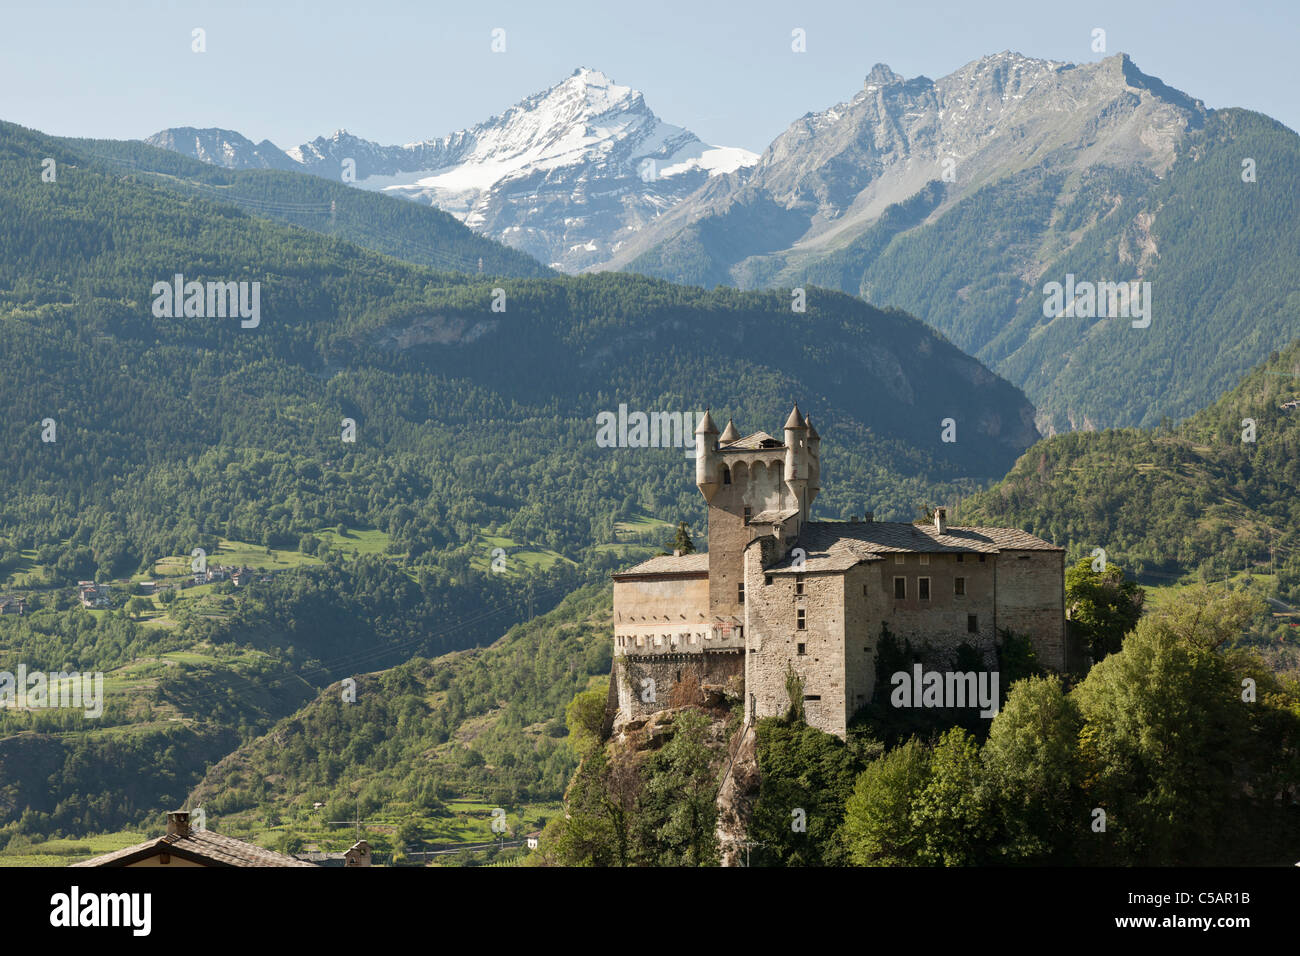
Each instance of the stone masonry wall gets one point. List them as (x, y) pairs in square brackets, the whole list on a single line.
[(942, 621), (758, 486), (1031, 601), (646, 685), (661, 615), (775, 640)]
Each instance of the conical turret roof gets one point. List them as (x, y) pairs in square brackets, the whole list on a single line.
[(796, 419), (706, 426), (729, 434)]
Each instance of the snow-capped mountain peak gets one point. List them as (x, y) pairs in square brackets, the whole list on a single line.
[(566, 174)]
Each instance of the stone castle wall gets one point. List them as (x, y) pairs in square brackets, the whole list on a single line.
[(775, 638), (645, 685), (756, 485), (943, 621), (1031, 601)]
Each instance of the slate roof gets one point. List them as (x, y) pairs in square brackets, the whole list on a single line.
[(697, 563), (754, 442), (838, 545), (199, 846)]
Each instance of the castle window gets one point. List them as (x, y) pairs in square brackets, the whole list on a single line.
[(801, 619), (740, 593), (961, 558), (748, 513), (767, 579), (726, 475), (924, 559), (959, 586), (798, 584), (900, 559), (803, 649), (679, 677), (812, 696), (982, 558), (972, 623), (923, 588), (900, 588)]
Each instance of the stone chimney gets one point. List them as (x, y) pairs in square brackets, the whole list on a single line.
[(940, 520), (178, 823)]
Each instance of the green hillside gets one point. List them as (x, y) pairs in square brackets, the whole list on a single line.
[(1193, 497), (420, 234), (475, 430)]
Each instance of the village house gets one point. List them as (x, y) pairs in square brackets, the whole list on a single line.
[(13, 605), (183, 846), (94, 595), (778, 591)]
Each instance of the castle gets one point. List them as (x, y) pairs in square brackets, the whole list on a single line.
[(777, 589)]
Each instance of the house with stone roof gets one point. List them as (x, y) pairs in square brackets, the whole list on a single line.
[(777, 590), (186, 846)]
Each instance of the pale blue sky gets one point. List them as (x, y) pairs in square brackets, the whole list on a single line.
[(290, 70)]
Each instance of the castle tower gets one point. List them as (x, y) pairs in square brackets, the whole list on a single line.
[(756, 485)]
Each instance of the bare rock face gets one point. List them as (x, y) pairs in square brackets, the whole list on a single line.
[(832, 173), (736, 797)]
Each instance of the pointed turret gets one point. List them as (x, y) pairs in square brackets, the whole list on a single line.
[(729, 434), (796, 447), (706, 457)]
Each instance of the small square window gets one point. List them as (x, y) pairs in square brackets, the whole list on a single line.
[(972, 623), (923, 588), (801, 619), (924, 559), (959, 586), (803, 649), (900, 588), (900, 559), (767, 579), (982, 557), (961, 558), (798, 584)]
